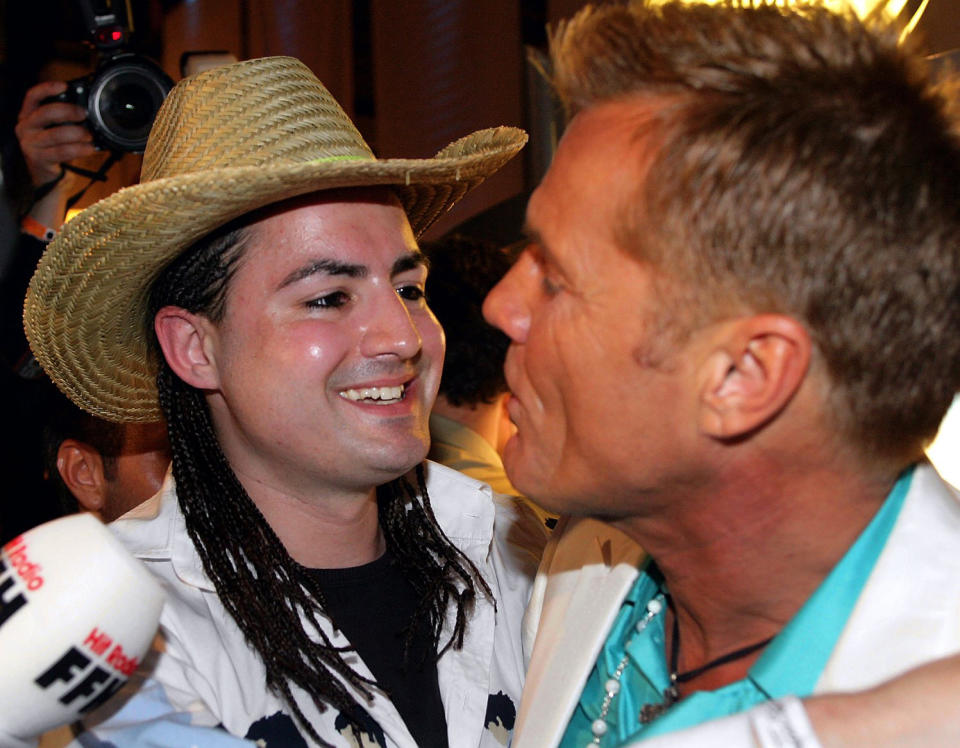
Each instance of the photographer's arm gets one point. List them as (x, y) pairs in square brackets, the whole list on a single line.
[(46, 143), (43, 148)]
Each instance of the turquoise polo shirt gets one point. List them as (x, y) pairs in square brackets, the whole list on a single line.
[(790, 664)]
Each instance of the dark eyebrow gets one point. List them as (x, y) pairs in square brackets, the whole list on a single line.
[(539, 250), (326, 266), (529, 233), (409, 261), (533, 237)]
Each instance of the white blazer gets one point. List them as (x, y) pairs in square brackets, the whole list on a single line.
[(909, 609)]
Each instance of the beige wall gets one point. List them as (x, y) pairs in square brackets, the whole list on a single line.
[(940, 25)]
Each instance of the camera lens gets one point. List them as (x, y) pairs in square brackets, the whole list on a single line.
[(130, 107), (124, 100)]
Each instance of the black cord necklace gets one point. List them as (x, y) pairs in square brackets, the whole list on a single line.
[(671, 695)]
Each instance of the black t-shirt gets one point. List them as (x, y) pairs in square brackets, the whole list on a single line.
[(373, 605)]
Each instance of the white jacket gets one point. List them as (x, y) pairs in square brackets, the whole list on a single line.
[(909, 610), (207, 675)]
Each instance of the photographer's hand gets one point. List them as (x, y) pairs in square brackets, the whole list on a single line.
[(45, 147)]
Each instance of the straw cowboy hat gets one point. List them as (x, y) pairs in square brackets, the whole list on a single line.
[(226, 142)]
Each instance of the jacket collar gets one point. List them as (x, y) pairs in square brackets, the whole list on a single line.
[(156, 530), (446, 431), (908, 608), (590, 567)]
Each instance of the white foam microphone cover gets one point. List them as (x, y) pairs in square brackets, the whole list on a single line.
[(77, 615)]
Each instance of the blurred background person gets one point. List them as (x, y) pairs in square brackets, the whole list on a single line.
[(99, 466), (469, 423), (36, 189)]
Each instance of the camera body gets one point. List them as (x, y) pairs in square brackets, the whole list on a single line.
[(122, 98), (124, 93)]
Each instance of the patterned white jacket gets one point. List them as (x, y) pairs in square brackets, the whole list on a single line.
[(205, 686)]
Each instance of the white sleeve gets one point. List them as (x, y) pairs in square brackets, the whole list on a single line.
[(782, 723), (148, 720)]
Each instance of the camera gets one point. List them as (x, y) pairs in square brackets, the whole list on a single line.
[(122, 98), (123, 95)]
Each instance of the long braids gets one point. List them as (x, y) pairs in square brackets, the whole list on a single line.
[(412, 533), (274, 602)]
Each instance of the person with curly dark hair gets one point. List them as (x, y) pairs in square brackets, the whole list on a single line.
[(469, 423), (262, 290), (100, 466)]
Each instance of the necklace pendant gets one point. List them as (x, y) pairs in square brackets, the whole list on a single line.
[(649, 712)]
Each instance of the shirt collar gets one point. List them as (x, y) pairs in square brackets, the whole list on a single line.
[(446, 430), (793, 661), (156, 530)]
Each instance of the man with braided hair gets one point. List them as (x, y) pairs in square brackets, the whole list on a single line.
[(263, 290)]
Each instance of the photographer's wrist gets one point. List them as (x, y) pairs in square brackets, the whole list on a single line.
[(50, 209), (38, 230), (44, 189)]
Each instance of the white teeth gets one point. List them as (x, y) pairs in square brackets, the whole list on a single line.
[(381, 394)]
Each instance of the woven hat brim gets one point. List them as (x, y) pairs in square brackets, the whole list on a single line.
[(85, 313)]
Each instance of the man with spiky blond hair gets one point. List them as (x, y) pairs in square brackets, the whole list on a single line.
[(735, 329)]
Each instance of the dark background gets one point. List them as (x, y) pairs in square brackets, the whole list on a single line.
[(414, 75)]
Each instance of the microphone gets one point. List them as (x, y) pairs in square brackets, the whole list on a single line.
[(77, 615)]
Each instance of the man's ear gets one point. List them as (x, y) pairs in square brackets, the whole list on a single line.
[(81, 469), (506, 427), (756, 366), (187, 342)]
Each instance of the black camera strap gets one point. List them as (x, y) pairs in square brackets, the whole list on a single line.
[(100, 175), (47, 187)]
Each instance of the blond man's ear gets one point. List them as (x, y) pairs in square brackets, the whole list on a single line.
[(756, 366)]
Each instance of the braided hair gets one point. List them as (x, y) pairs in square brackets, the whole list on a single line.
[(274, 601)]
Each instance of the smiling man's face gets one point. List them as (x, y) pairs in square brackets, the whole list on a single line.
[(328, 358)]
